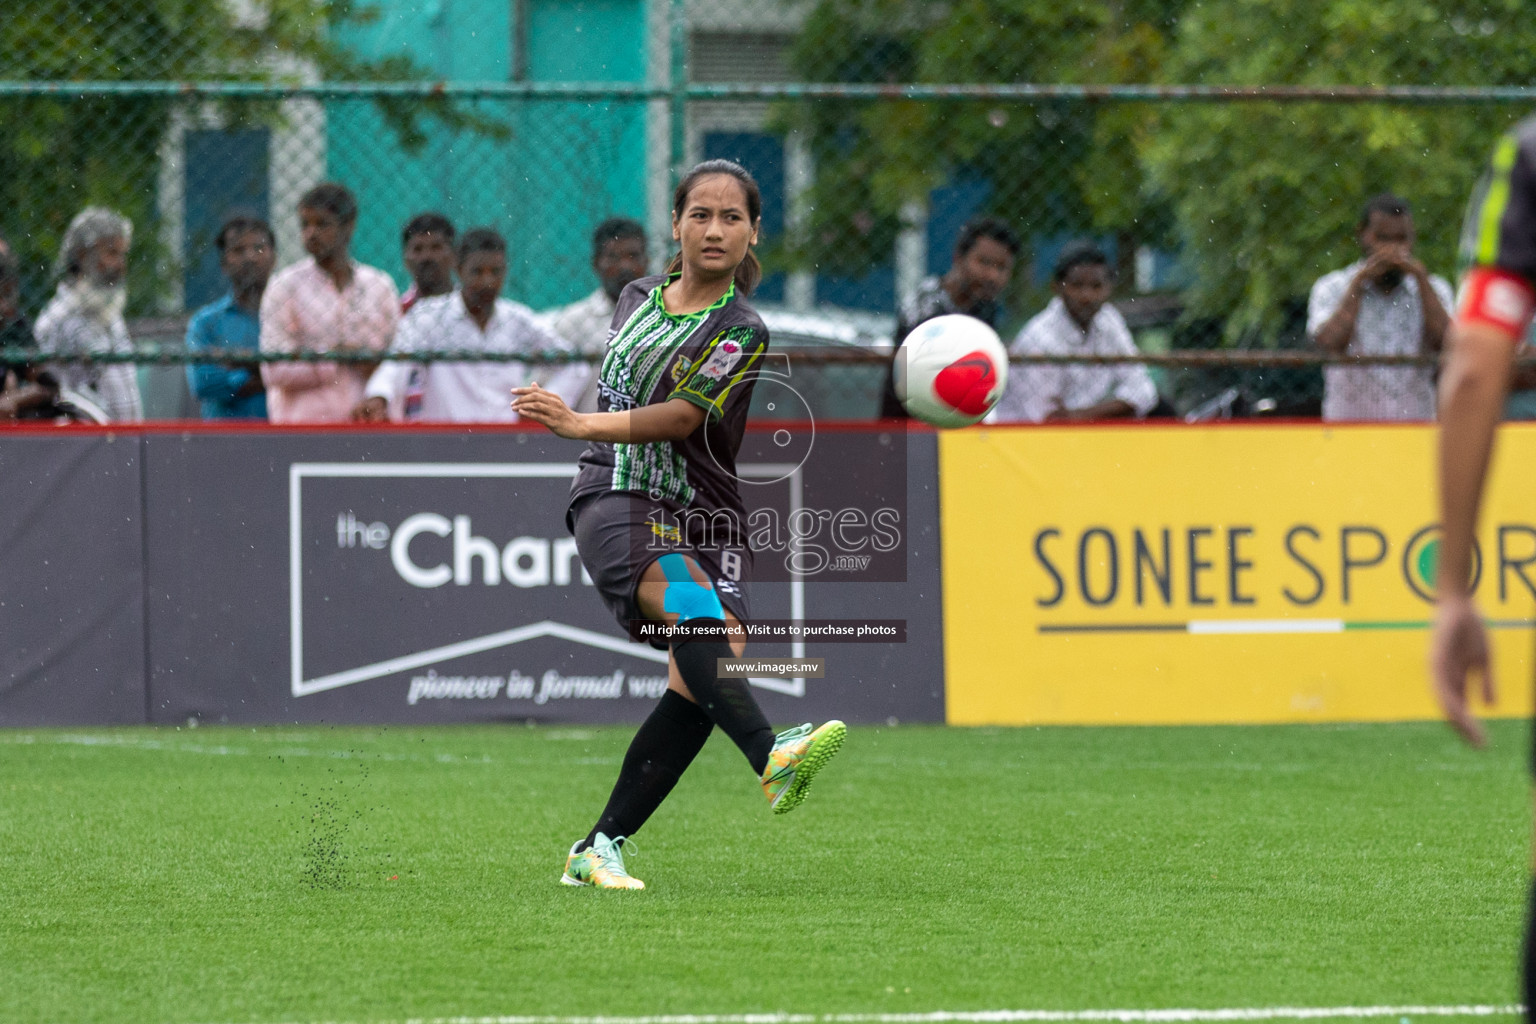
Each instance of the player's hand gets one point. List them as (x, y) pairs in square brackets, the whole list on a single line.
[(546, 407), (1458, 648), (371, 410)]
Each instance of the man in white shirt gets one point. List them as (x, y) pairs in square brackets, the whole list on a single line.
[(85, 315), (1078, 322), (618, 256), (474, 318), (1384, 304)]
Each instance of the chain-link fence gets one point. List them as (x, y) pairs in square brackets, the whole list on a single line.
[(1219, 153)]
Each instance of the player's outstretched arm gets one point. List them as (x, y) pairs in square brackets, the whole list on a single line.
[(1472, 389), (671, 420)]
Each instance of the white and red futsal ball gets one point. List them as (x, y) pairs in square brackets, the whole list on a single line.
[(950, 371)]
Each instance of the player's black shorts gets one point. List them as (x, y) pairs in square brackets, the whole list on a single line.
[(619, 534)]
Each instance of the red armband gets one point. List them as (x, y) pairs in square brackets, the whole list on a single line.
[(1498, 299)]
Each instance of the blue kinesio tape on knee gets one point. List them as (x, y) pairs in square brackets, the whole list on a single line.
[(685, 595)]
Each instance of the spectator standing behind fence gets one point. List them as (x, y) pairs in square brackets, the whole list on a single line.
[(426, 247), (985, 252), (1079, 321), (247, 251), (326, 303), (85, 315), (618, 257), (473, 318), (1384, 304), (26, 393)]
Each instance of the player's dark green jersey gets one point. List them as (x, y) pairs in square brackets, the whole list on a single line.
[(1498, 240), (709, 358), (1500, 227)]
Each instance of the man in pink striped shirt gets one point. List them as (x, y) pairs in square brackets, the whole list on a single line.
[(326, 303)]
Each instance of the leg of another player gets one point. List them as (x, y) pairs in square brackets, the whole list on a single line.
[(1528, 974)]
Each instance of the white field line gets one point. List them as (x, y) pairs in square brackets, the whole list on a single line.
[(180, 747), (1172, 1016)]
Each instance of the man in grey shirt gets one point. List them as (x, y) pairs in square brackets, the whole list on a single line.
[(1386, 303), (85, 315)]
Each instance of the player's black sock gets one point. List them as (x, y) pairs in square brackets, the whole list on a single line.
[(728, 702), (1528, 981), (668, 741)]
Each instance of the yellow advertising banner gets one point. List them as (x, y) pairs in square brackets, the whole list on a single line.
[(1242, 573)]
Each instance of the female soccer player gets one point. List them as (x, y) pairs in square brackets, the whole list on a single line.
[(657, 514)]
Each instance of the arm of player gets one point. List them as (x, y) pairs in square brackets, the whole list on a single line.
[(1472, 390), (1495, 309), (1492, 315), (671, 420)]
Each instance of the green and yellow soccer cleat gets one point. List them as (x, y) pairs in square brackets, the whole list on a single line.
[(600, 865), (797, 755)]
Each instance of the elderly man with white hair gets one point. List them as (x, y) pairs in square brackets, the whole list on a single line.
[(86, 313)]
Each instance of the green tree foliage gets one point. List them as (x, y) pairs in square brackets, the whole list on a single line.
[(1259, 197), (60, 154), (1267, 195), (1052, 167)]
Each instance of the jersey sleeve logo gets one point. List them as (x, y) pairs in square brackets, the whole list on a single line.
[(725, 356), (723, 363), (1506, 300), (1496, 298)]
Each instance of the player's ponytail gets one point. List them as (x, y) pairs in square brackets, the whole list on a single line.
[(749, 271)]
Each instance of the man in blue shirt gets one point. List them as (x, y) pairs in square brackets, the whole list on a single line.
[(247, 252)]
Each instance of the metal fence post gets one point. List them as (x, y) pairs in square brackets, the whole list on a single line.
[(678, 85)]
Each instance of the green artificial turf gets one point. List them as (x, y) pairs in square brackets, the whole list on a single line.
[(351, 874)]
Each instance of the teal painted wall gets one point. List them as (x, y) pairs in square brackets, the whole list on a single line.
[(564, 167), (586, 40), (600, 170)]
